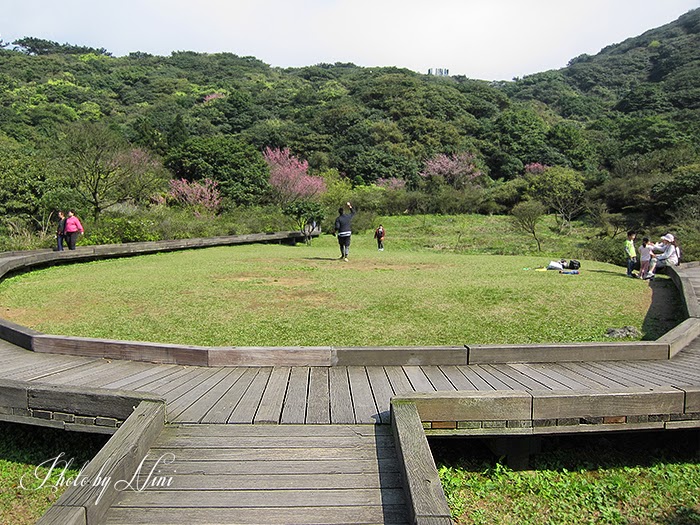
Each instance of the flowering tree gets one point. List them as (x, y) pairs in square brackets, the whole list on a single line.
[(392, 183), (203, 196), (289, 177), (457, 170), (535, 168)]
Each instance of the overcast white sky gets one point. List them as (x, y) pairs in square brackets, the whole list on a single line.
[(485, 39)]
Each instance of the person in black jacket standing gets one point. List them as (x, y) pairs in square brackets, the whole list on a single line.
[(343, 229), (60, 231)]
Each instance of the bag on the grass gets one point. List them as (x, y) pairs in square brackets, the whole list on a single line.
[(574, 264)]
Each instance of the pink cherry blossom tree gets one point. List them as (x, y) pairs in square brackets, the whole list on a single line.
[(202, 196), (457, 170), (289, 177)]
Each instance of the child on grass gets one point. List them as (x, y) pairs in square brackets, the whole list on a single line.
[(645, 251), (630, 252)]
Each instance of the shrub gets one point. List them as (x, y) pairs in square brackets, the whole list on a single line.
[(116, 230), (605, 250)]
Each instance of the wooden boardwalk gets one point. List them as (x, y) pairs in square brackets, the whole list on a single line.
[(269, 474), (329, 395), (302, 444)]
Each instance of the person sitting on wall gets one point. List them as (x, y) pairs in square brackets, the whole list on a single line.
[(669, 255)]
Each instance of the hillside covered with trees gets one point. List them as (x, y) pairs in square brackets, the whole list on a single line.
[(146, 146)]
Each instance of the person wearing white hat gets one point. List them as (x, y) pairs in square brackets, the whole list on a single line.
[(669, 256)]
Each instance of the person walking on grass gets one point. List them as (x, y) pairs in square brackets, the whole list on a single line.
[(379, 235), (343, 230), (631, 253), (73, 229)]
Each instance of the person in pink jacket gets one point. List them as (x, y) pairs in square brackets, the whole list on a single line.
[(73, 229)]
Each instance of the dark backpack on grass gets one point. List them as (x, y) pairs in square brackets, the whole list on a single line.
[(574, 264)]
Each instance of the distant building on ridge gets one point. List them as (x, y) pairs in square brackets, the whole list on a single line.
[(439, 72)]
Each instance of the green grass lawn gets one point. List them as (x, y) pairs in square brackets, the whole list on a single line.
[(631, 478), (280, 295), (25, 490)]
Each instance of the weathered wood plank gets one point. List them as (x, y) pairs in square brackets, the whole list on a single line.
[(470, 406), (492, 379), (437, 378), (553, 377), (399, 382), (319, 403), (298, 431), (341, 401), (57, 515), (267, 454), (272, 402), (196, 390), (84, 401), (418, 379), (613, 371), (71, 375), (115, 369), (39, 369), (422, 483), (558, 353), (194, 377), (362, 398), (118, 460), (582, 371), (457, 378), (274, 441), (223, 408), (630, 402), (246, 409), (474, 378), (255, 481), (372, 467), (516, 379), (382, 392), (294, 410), (161, 384), (148, 375), (290, 499), (202, 403), (388, 514)]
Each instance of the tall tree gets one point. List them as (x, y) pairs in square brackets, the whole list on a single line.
[(239, 168), (289, 177), (104, 169)]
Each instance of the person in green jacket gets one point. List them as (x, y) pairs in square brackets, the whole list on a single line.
[(631, 253)]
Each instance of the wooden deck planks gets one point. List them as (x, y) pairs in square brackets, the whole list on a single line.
[(386, 514), (294, 410), (197, 407), (223, 408), (362, 399), (342, 410), (245, 410), (292, 474), (272, 402), (318, 406), (419, 381), (382, 392)]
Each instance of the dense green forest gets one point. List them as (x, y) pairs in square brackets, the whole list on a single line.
[(147, 147)]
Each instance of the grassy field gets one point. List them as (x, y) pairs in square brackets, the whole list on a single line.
[(280, 295), (631, 478), (25, 490)]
